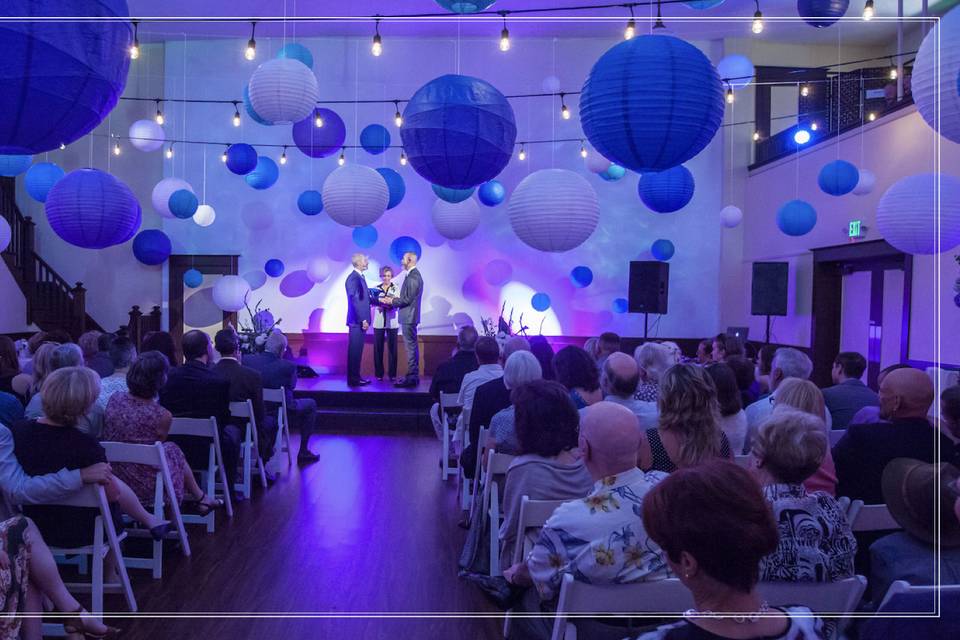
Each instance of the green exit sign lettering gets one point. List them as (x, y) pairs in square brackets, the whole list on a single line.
[(854, 230)]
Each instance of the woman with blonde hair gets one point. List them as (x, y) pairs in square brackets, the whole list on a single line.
[(803, 395), (26, 385)]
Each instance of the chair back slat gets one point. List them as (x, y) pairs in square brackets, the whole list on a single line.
[(533, 515), (203, 427), (824, 598), (243, 409), (498, 463), (871, 517), (450, 401), (149, 454), (273, 395)]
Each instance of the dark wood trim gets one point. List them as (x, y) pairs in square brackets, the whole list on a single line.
[(225, 265)]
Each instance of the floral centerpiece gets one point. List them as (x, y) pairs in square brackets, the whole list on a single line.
[(254, 334)]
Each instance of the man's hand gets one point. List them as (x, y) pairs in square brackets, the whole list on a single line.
[(364, 325), (519, 575), (386, 300), (99, 473)]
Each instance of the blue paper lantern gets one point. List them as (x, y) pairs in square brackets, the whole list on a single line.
[(11, 165), (612, 173), (274, 268), (375, 139), (241, 158), (666, 191), (60, 78), (581, 276), (662, 250), (192, 278), (651, 103), (92, 210), (838, 178), (365, 237), (395, 184), (796, 218), (491, 193), (620, 305), (40, 179), (264, 175), (465, 6), (310, 202), (323, 141), (822, 13), (248, 107), (452, 195), (296, 51), (540, 301), (700, 5), (183, 204), (152, 247), (402, 245), (458, 131)]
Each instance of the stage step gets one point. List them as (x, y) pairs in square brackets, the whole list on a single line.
[(376, 408)]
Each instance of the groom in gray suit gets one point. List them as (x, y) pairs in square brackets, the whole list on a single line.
[(409, 317)]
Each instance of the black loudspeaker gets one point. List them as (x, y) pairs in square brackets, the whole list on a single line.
[(649, 281), (768, 293)]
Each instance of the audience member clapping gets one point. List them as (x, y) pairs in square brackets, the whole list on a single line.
[(521, 367), (578, 372)]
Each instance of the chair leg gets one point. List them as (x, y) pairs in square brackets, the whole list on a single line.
[(97, 577)]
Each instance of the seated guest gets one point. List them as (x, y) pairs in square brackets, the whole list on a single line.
[(744, 371), (871, 414), (849, 394), (245, 384), (688, 432), (9, 364), (803, 395), (540, 347), (652, 359), (865, 449), (134, 416), (761, 374), (39, 370), (715, 527), (488, 368), (449, 374), (65, 355), (590, 345), (676, 353), (578, 372), (733, 421), (123, 353), (599, 539), (163, 342), (816, 544), (521, 367), (10, 409), (705, 352), (607, 343), (276, 373), (950, 412), (96, 356), (619, 385), (725, 346)]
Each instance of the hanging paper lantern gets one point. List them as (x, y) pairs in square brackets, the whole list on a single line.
[(40, 178), (310, 202), (613, 173), (256, 117), (936, 76), (192, 278), (491, 193), (283, 90), (375, 139), (205, 215), (701, 5), (667, 191), (730, 216), (662, 250), (318, 269), (620, 305), (395, 185), (6, 234), (907, 214), (264, 175), (230, 293), (452, 195), (595, 162), (146, 135), (273, 268), (365, 237), (581, 276), (60, 78), (796, 218), (162, 192), (838, 178), (554, 210), (736, 70), (183, 204), (651, 103), (465, 6), (402, 245), (14, 165), (458, 131), (355, 195), (456, 221), (320, 142), (865, 183), (91, 209), (152, 247), (241, 158), (296, 51), (822, 13), (540, 301)]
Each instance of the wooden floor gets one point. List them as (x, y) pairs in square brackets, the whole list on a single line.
[(368, 528)]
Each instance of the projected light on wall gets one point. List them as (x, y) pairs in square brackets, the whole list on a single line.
[(517, 296)]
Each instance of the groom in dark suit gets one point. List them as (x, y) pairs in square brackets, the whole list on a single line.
[(409, 316), (358, 318)]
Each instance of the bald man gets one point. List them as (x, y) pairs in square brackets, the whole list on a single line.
[(865, 449), (619, 380)]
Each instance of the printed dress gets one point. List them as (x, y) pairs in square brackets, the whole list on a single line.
[(13, 577)]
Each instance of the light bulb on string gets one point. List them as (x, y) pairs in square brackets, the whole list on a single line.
[(377, 47), (730, 97), (318, 120), (135, 47), (804, 90), (283, 156), (397, 118), (403, 159), (756, 136), (62, 146), (871, 116), (564, 110), (659, 23), (116, 148), (159, 116), (757, 25), (504, 34), (169, 153), (523, 154), (342, 160), (868, 10), (236, 114), (893, 71), (631, 29), (814, 126), (223, 156), (583, 150), (251, 51)]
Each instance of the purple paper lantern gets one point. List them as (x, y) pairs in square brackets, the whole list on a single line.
[(92, 210), (323, 141)]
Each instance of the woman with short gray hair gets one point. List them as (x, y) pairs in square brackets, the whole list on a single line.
[(123, 353), (520, 368)]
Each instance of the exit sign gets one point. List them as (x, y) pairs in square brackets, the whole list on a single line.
[(854, 230)]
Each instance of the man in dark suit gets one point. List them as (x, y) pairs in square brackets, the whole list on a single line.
[(449, 374), (409, 317), (358, 318), (193, 390), (848, 394)]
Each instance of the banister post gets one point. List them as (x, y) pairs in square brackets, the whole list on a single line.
[(27, 251), (134, 326), (80, 307)]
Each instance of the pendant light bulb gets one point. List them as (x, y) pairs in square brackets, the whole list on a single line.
[(116, 148), (756, 136), (251, 51), (135, 47), (377, 47), (805, 90), (403, 159), (170, 151), (523, 154), (504, 33), (318, 121), (757, 26), (342, 160), (631, 29), (868, 10), (236, 115), (583, 151), (223, 157), (159, 116), (730, 97), (283, 156), (397, 117)]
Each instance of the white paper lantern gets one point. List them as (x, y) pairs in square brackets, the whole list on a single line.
[(595, 162), (456, 221), (907, 214), (866, 183), (147, 135), (230, 293), (943, 42), (162, 192), (554, 210), (6, 234), (205, 215), (283, 90), (730, 216), (355, 195), (736, 70), (318, 269)]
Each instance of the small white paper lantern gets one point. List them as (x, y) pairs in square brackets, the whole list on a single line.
[(283, 90), (907, 214), (940, 51), (205, 215), (162, 192), (866, 183), (737, 70), (595, 162), (355, 195), (318, 269), (554, 210), (6, 234), (730, 216), (147, 135), (230, 293), (456, 221)]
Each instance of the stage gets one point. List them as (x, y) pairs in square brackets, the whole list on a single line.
[(378, 407)]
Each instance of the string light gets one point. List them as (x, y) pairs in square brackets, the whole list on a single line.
[(659, 23), (342, 160), (223, 156), (868, 11), (62, 146), (564, 110), (397, 118), (403, 159), (805, 90), (236, 114), (135, 47), (504, 33), (757, 26), (159, 116), (251, 51), (283, 156), (583, 150), (169, 153), (893, 71), (631, 29), (116, 148), (871, 116), (377, 47), (318, 120), (523, 154), (729, 94), (756, 136), (814, 126)]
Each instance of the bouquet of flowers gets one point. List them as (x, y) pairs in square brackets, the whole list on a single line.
[(504, 328), (253, 336)]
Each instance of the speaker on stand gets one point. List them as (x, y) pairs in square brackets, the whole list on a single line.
[(768, 291), (649, 288)]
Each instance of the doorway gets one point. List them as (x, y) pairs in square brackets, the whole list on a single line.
[(193, 308)]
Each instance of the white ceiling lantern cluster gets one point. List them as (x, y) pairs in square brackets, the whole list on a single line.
[(283, 91)]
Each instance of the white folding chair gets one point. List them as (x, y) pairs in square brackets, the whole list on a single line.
[(497, 465), (447, 401), (870, 517), (250, 459), (206, 428), (279, 396), (835, 435), (835, 599), (898, 587), (151, 455), (745, 461)]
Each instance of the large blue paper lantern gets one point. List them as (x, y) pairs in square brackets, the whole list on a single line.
[(322, 141), (92, 210), (14, 165), (310, 202), (581, 276), (241, 158), (296, 51), (248, 107), (822, 13), (60, 78), (274, 268), (796, 218), (264, 175), (192, 278), (491, 193), (662, 250), (40, 179), (465, 6), (540, 301), (365, 237), (452, 195), (183, 204), (375, 139), (838, 178), (651, 103), (402, 245), (395, 184), (667, 191), (152, 247), (458, 131)]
